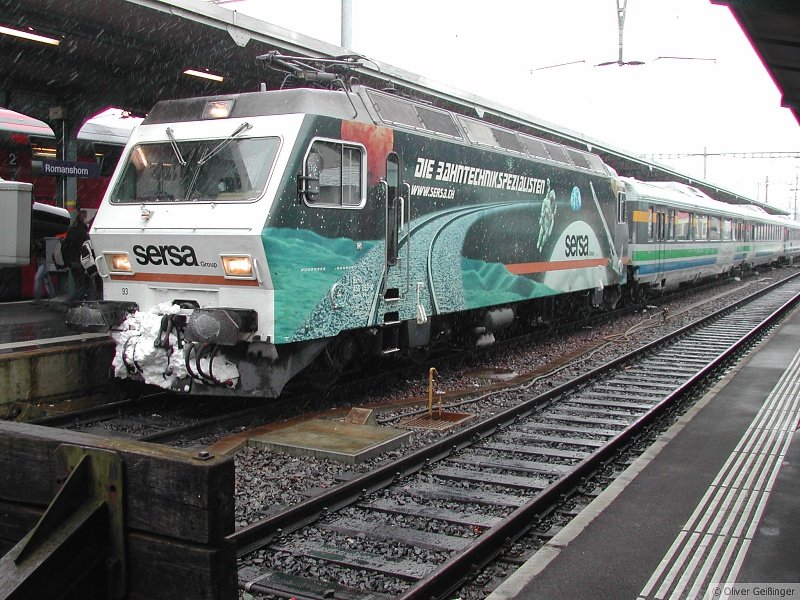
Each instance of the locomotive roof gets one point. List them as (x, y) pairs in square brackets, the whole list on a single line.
[(256, 104), (374, 106)]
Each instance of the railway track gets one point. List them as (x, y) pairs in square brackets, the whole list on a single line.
[(417, 528), (168, 418)]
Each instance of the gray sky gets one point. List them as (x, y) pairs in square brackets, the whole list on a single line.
[(493, 49)]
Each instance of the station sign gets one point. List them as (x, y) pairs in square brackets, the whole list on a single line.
[(66, 168)]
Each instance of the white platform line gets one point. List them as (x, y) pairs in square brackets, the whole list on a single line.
[(734, 502)]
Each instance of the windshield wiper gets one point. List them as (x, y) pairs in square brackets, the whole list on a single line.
[(243, 127), (195, 175), (174, 143)]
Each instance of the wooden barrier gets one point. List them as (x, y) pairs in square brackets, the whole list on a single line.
[(178, 508)]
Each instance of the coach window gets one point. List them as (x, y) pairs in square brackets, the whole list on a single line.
[(713, 229), (670, 224), (682, 229), (650, 224), (702, 228), (726, 230), (333, 175), (661, 228), (621, 215)]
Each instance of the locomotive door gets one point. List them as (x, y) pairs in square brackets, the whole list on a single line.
[(398, 248)]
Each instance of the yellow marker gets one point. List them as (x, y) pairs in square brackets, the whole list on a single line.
[(431, 375)]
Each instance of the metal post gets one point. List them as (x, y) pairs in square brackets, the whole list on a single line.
[(347, 24), (431, 376), (705, 161)]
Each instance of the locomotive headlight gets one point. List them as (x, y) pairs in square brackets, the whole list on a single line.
[(239, 266), (118, 262), (217, 109)]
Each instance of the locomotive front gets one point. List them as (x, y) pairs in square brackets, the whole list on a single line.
[(178, 243)]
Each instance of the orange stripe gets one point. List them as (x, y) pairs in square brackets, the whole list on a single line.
[(177, 278), (557, 265)]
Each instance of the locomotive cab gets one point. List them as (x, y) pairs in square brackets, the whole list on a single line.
[(180, 237)]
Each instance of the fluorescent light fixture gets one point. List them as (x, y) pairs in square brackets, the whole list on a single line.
[(43, 152), (29, 36), (204, 75)]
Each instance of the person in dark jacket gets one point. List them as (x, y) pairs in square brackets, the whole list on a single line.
[(77, 234)]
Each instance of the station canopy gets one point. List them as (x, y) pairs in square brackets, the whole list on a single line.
[(773, 28), (81, 56)]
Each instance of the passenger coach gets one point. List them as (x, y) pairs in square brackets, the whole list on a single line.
[(678, 235)]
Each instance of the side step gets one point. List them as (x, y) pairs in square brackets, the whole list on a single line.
[(390, 333)]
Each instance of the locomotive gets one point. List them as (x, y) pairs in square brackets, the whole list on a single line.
[(246, 240)]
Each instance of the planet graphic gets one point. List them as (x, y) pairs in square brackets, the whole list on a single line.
[(575, 199)]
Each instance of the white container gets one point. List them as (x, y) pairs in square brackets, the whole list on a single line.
[(15, 223)]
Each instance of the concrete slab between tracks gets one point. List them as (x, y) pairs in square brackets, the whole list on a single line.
[(335, 440), (714, 500)]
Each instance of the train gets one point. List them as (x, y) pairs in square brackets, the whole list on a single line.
[(26, 144), (251, 240)]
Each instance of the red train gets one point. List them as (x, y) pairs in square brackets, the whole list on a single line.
[(27, 144)]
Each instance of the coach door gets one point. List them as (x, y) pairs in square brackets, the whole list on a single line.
[(398, 242), (660, 244)]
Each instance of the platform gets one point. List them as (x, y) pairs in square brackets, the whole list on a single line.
[(41, 360), (28, 321), (716, 499)]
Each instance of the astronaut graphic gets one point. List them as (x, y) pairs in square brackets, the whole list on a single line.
[(547, 216)]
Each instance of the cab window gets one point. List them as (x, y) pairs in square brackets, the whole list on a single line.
[(333, 175)]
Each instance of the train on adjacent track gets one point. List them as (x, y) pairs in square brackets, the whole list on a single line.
[(247, 240)]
